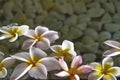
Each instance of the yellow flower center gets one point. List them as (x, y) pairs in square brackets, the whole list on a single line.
[(38, 37)]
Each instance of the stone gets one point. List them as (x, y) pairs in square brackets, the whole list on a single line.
[(95, 25), (93, 5), (79, 7), (91, 33), (87, 40), (112, 27), (106, 18), (116, 36), (95, 12), (104, 35), (82, 26), (39, 20), (116, 18)]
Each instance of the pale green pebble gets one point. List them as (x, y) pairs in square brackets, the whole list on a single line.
[(106, 18), (116, 36), (38, 7), (109, 7), (82, 26), (60, 1), (91, 33), (102, 1), (104, 35), (95, 25), (64, 30), (30, 22), (56, 15), (116, 18), (17, 5), (117, 61), (72, 20), (117, 6), (79, 7), (95, 12), (112, 27), (86, 1), (93, 5), (39, 20), (4, 49), (87, 40), (83, 18), (88, 58)]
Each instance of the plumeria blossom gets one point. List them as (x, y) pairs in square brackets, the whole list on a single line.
[(115, 48), (105, 71), (35, 63), (66, 50), (12, 32), (41, 37), (75, 70), (5, 63)]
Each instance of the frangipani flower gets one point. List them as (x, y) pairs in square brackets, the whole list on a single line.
[(116, 48), (66, 50), (5, 63), (41, 37), (105, 71), (75, 70), (12, 32), (35, 63)]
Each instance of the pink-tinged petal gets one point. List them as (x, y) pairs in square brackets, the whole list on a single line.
[(24, 28), (77, 77), (30, 33), (96, 66), (51, 35), (67, 45), (63, 64), (14, 38), (7, 62), (39, 30), (109, 77), (77, 61), (113, 44), (20, 70), (115, 71), (107, 62), (22, 56), (95, 76), (55, 48), (84, 69), (62, 74), (38, 72), (3, 72), (44, 44), (27, 44), (111, 52), (37, 53), (4, 36), (50, 63)]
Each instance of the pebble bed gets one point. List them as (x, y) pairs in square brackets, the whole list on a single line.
[(88, 23)]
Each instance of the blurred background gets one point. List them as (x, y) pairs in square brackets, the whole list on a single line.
[(87, 23)]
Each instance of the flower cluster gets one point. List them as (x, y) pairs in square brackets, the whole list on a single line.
[(37, 63)]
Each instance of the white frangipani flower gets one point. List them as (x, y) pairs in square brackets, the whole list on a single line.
[(66, 50), (12, 32), (36, 63)]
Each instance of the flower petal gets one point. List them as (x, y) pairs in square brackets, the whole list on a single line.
[(115, 71), (3, 72), (77, 61), (50, 63), (55, 48), (51, 35), (84, 69), (63, 64), (14, 38), (113, 44), (39, 72), (107, 62), (109, 77), (7, 62), (20, 70), (24, 28), (40, 30), (62, 74), (27, 44), (96, 66), (111, 52), (95, 76), (44, 44), (23, 56), (67, 45), (30, 33), (72, 52), (4, 36), (77, 77)]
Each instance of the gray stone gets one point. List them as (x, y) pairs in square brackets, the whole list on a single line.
[(104, 35), (87, 40), (106, 18), (72, 20), (116, 18), (82, 26), (116, 36), (93, 5)]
